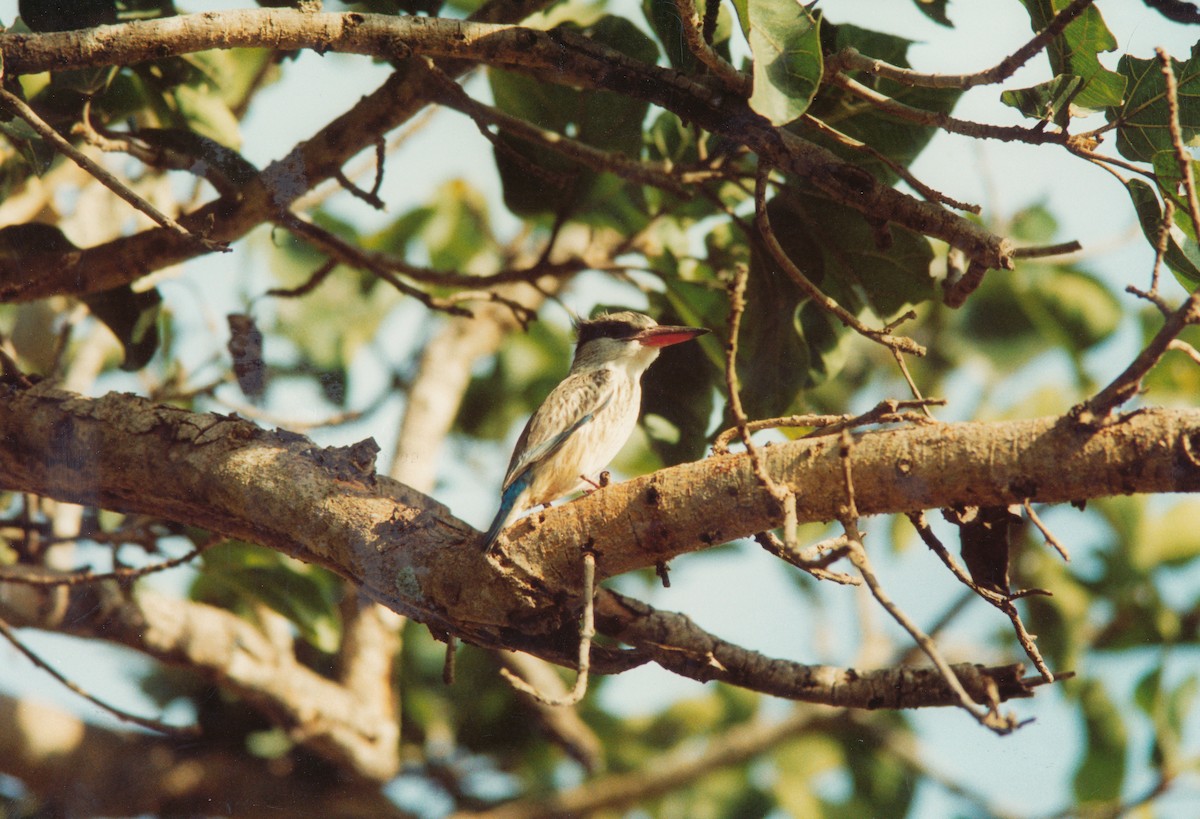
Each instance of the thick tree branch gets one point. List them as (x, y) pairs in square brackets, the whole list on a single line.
[(262, 199), (409, 552), (333, 720), (558, 55), (77, 769)]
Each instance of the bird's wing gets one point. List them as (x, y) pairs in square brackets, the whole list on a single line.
[(571, 404)]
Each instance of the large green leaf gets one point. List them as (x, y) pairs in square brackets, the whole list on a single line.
[(1149, 213), (1142, 117), (786, 43), (1102, 771), (238, 575), (935, 10), (1076, 51), (856, 270), (678, 394), (1050, 101)]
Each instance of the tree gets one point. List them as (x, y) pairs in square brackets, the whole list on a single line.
[(749, 167)]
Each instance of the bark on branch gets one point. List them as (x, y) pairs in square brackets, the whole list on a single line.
[(557, 55), (327, 506), (77, 769)]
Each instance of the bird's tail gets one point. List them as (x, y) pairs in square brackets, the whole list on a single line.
[(509, 509)]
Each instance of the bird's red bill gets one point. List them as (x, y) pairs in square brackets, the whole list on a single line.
[(666, 336)]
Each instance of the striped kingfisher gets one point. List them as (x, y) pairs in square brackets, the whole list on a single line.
[(587, 418)]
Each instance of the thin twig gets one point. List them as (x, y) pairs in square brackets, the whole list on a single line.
[(885, 412), (1046, 533), (1003, 602), (1185, 348), (145, 722), (945, 122), (23, 578), (814, 560), (904, 173), (850, 58), (782, 494), (1182, 156), (449, 93), (989, 716), (1041, 251), (1127, 384), (825, 302), (46, 132), (693, 36), (586, 633)]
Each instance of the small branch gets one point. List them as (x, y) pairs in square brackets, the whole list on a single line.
[(953, 125), (586, 633), (20, 575), (763, 222), (1041, 251), (1051, 540), (814, 559), (693, 35), (1127, 384), (46, 132), (145, 722), (904, 173), (885, 412), (677, 644), (1182, 155), (783, 496), (851, 59), (1004, 602), (348, 254), (1185, 348), (449, 93), (989, 716)]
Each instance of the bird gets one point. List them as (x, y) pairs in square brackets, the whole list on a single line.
[(588, 417)]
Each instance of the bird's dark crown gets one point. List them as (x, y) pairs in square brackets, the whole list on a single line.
[(617, 326)]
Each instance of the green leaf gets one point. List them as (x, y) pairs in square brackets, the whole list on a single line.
[(680, 390), (207, 114), (855, 269), (1078, 310), (1168, 539), (237, 575), (1049, 101), (786, 43), (1142, 117), (1076, 51), (41, 15), (935, 10), (1102, 770), (133, 318), (1145, 203)]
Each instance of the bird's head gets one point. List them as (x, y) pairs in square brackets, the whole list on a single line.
[(626, 338)]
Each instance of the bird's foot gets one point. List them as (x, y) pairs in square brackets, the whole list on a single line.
[(601, 481)]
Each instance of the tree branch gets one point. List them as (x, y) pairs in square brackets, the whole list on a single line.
[(559, 56), (121, 774), (410, 553), (333, 720)]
